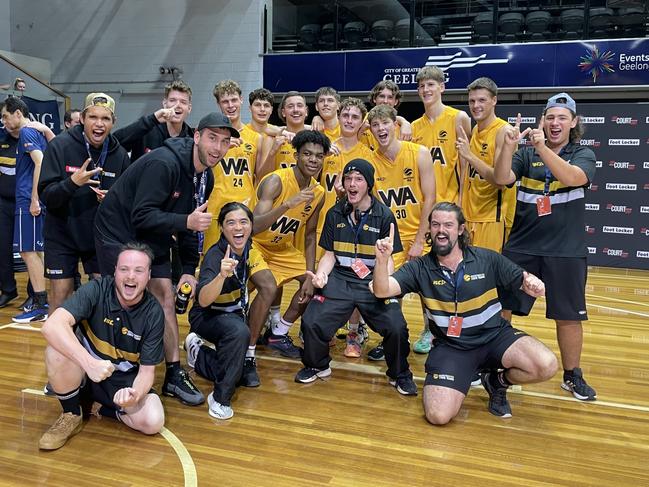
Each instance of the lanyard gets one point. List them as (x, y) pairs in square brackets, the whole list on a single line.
[(243, 281), (199, 198), (548, 177), (356, 228), (459, 278), (102, 157)]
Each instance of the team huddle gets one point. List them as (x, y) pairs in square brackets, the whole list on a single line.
[(359, 207)]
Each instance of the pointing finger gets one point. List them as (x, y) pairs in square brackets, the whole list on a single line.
[(227, 252), (518, 121), (391, 234), (541, 122), (525, 132)]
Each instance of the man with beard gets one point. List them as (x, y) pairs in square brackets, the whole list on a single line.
[(79, 167), (351, 230), (120, 366), (458, 285), (165, 193)]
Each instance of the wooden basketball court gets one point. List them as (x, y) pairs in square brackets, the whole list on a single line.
[(354, 429)]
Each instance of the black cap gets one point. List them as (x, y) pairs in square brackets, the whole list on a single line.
[(364, 167), (217, 120)]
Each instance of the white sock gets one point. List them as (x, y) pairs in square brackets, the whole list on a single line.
[(281, 327), (251, 351), (274, 313)]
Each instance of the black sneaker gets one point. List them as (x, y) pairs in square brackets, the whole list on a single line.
[(405, 385), (178, 384), (377, 353), (309, 374), (498, 403), (573, 381), (6, 298), (249, 377), (284, 345)]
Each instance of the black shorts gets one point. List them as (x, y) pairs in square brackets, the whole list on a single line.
[(108, 251), (447, 366), (565, 286), (62, 259), (104, 391)]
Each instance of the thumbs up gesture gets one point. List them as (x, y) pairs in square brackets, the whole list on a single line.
[(199, 220)]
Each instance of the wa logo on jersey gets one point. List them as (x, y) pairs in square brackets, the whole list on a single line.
[(330, 180), (394, 197), (235, 166), (285, 225), (438, 156)]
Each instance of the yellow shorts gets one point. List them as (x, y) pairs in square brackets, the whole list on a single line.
[(256, 261), (402, 257), (286, 262), (490, 235)]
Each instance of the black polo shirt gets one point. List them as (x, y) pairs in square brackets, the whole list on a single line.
[(126, 337), (477, 297), (349, 241), (7, 165), (560, 234), (233, 295)]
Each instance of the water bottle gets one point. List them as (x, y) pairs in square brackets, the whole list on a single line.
[(182, 298)]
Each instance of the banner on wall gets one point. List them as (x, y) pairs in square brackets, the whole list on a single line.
[(617, 204), (46, 112), (599, 64)]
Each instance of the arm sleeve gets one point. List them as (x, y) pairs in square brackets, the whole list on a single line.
[(131, 136), (406, 276), (585, 159), (508, 274), (210, 267), (82, 303), (31, 139), (152, 194), (55, 186), (152, 351)]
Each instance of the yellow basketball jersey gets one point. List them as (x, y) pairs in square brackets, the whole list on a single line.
[(482, 202), (285, 156), (233, 180), (331, 168), (281, 233), (397, 185), (439, 138), (332, 134)]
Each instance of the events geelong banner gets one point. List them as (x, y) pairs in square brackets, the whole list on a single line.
[(535, 65), (46, 112)]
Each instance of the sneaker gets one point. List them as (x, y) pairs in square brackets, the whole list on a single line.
[(363, 334), (218, 410), (376, 353), (309, 374), (64, 428), (573, 381), (283, 344), (498, 403), (353, 348), (249, 377), (48, 391), (28, 304), (193, 344), (475, 380), (32, 316), (178, 384), (405, 385), (423, 345), (6, 298)]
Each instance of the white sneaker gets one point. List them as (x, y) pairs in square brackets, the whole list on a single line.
[(218, 410), (193, 344)]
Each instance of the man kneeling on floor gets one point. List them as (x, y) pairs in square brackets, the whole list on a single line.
[(351, 228), (458, 285), (117, 345)]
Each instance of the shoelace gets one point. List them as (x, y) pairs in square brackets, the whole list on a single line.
[(62, 423), (185, 378)]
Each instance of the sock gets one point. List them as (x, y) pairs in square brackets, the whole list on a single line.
[(70, 402), (40, 299), (501, 379), (172, 366), (251, 351), (274, 313), (281, 327)]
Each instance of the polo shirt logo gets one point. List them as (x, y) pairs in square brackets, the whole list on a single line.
[(108, 321)]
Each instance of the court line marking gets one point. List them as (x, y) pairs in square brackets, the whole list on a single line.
[(516, 389), (637, 313), (619, 300), (20, 326), (186, 461)]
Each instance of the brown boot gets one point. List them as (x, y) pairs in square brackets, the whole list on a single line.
[(65, 427)]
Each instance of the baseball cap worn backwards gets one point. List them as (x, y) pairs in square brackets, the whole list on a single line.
[(562, 100), (100, 100)]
